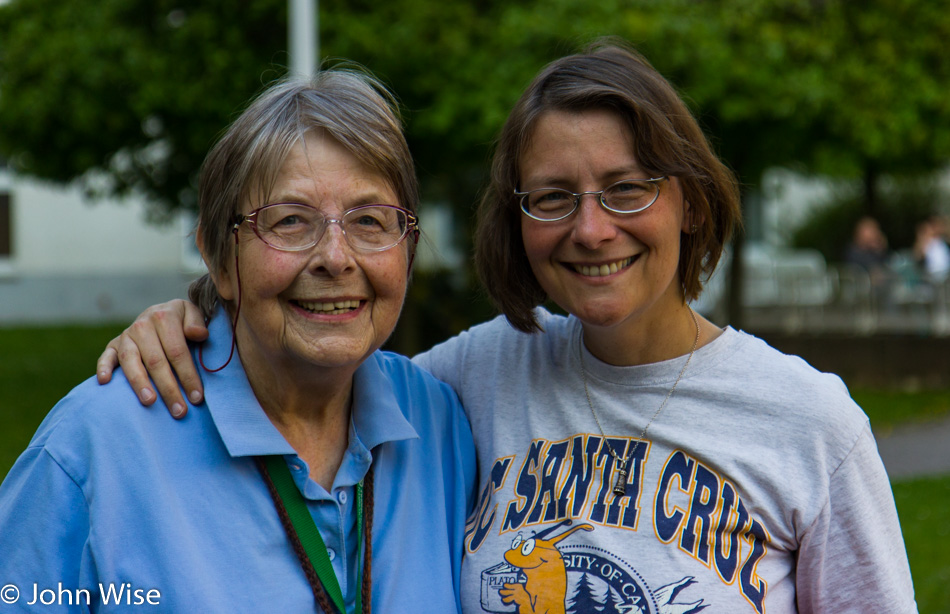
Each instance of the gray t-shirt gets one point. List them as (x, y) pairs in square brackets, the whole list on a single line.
[(758, 488)]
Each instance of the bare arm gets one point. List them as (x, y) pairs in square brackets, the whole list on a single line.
[(156, 346)]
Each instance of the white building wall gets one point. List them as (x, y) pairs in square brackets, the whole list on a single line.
[(58, 231), (78, 261)]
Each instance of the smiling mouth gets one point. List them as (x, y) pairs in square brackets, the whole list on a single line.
[(603, 269), (335, 308)]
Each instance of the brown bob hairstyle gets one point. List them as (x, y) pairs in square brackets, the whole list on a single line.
[(667, 141), (347, 104)]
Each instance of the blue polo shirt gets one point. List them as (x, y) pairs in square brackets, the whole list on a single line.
[(125, 509)]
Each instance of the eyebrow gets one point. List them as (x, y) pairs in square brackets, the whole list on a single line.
[(369, 198), (608, 178)]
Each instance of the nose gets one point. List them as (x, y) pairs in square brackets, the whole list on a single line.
[(593, 224), (332, 253)]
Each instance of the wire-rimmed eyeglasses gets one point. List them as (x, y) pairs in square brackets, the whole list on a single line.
[(623, 197), (293, 227)]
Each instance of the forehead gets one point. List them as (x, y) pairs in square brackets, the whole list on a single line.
[(566, 146), (319, 169)]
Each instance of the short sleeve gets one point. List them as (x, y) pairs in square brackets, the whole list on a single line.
[(852, 558), (444, 362), (44, 527)]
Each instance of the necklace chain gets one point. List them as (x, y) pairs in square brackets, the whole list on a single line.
[(620, 486)]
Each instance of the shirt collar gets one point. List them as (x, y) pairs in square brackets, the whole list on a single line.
[(247, 431), (244, 427), (377, 415)]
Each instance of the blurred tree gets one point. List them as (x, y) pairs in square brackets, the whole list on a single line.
[(831, 86), (826, 86), (136, 90), (140, 88), (458, 68)]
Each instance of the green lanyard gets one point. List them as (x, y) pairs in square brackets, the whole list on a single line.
[(309, 535)]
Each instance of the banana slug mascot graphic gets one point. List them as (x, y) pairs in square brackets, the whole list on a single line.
[(534, 579), (545, 574)]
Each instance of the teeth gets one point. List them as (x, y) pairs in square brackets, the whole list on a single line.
[(604, 269), (334, 308)]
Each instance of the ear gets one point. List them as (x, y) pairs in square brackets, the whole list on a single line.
[(221, 277), (692, 219)]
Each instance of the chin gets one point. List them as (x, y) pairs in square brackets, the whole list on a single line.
[(603, 322), (602, 311)]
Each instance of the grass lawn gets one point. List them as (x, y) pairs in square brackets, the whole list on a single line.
[(38, 366), (888, 408), (924, 509)]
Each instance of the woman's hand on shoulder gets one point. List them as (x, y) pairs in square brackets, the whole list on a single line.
[(156, 346)]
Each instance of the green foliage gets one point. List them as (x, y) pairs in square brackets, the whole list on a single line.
[(132, 93), (139, 89), (458, 68), (135, 90), (835, 84)]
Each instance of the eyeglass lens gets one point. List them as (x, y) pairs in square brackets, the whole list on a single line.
[(293, 226), (625, 196)]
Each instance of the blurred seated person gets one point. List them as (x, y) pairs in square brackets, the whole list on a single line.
[(868, 247), (931, 251), (869, 252)]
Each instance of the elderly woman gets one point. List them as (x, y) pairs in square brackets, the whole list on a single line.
[(320, 472), (633, 456)]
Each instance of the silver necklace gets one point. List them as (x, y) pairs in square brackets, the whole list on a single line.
[(620, 486)]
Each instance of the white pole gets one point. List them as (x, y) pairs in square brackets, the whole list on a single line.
[(302, 36)]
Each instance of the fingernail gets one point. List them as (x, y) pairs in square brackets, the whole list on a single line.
[(177, 410), (145, 394), (195, 396)]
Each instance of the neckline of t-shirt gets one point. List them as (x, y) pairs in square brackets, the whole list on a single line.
[(656, 373)]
